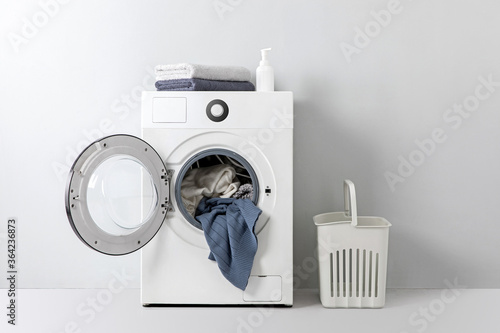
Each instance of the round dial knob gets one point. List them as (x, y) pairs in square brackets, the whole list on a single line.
[(217, 110)]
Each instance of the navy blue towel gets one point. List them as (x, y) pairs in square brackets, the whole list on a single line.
[(229, 230), (204, 85)]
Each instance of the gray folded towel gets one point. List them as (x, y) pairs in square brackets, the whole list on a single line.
[(204, 85), (193, 71)]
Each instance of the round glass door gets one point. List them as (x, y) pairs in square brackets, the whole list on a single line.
[(117, 194)]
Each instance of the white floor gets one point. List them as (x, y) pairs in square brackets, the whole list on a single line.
[(406, 310)]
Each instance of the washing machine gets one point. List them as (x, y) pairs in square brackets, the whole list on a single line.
[(124, 194)]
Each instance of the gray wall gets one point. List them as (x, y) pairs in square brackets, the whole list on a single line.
[(370, 106)]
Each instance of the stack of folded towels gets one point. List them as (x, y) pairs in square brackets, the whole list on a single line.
[(177, 77)]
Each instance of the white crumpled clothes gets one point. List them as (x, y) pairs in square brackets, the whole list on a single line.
[(218, 181)]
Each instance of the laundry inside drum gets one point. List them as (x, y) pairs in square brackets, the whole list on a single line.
[(214, 174)]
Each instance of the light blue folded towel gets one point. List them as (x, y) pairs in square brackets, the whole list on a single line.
[(229, 230), (194, 71)]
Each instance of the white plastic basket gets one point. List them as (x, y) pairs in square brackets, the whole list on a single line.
[(352, 255)]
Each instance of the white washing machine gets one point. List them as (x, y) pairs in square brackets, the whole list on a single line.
[(124, 192)]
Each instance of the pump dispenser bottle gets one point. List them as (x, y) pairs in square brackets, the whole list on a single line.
[(264, 75)]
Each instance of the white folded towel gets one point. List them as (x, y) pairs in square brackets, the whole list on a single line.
[(193, 71), (215, 181)]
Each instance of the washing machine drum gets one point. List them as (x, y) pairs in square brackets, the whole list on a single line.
[(117, 194)]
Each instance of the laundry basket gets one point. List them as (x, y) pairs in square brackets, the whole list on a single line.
[(352, 255)]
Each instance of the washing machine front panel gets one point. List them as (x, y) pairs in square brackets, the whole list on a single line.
[(256, 126), (117, 194)]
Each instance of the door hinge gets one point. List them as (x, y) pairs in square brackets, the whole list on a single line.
[(168, 203)]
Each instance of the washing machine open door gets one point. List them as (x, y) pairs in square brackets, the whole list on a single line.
[(117, 194)]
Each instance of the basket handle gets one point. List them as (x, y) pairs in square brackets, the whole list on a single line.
[(350, 202)]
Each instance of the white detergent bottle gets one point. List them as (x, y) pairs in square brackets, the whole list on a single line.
[(264, 75)]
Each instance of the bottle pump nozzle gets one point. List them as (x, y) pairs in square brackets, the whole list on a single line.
[(264, 55)]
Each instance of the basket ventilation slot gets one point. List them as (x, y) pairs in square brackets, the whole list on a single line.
[(354, 273)]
